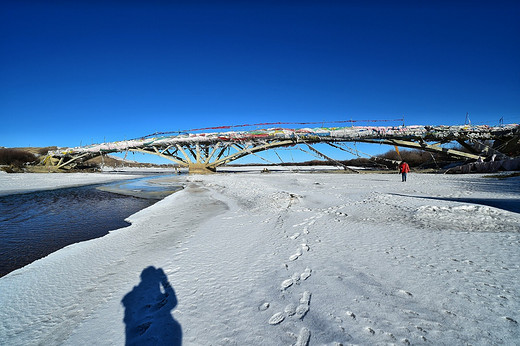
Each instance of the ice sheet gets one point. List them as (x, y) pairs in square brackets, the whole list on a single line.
[(13, 183)]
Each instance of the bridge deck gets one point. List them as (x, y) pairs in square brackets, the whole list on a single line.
[(209, 149)]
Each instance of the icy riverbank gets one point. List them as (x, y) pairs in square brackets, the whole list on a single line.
[(287, 258), (12, 183)]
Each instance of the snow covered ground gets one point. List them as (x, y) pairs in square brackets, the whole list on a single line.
[(287, 259)]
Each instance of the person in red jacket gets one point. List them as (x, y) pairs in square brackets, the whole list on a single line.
[(404, 169)]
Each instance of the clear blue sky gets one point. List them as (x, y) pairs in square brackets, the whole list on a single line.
[(77, 72)]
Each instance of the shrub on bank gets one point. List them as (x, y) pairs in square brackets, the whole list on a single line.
[(415, 158), (45, 150), (15, 157)]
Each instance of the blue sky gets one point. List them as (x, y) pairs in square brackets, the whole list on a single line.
[(78, 72)]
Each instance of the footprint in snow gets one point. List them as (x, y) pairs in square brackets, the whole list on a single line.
[(351, 314), (370, 330), (276, 318), (301, 311), (306, 298), (303, 308), (305, 275), (296, 255), (296, 278), (410, 312), (405, 293), (390, 336), (303, 337), (263, 307), (287, 283), (290, 309)]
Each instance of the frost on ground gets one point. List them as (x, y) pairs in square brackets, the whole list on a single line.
[(287, 259)]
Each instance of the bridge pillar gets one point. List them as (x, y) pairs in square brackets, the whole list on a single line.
[(200, 168)]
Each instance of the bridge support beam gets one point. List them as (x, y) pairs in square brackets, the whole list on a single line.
[(425, 147), (479, 148), (200, 168)]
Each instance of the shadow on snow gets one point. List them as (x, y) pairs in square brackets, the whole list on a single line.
[(148, 319)]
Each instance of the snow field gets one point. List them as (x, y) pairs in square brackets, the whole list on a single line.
[(292, 259)]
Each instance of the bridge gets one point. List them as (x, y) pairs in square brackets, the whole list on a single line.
[(203, 152)]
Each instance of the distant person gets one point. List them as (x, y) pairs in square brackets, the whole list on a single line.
[(404, 169)]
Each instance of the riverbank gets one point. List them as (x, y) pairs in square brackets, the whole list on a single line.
[(287, 258), (35, 224), (14, 183), (155, 187)]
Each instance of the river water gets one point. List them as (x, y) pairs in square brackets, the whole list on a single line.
[(33, 225)]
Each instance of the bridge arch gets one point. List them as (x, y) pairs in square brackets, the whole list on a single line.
[(204, 152)]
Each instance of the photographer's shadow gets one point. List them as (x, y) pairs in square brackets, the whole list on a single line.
[(148, 319)]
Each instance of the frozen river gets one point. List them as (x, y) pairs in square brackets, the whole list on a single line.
[(33, 225)]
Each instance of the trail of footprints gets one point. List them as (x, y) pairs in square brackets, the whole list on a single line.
[(298, 310)]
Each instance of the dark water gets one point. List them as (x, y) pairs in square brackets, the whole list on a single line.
[(34, 225)]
